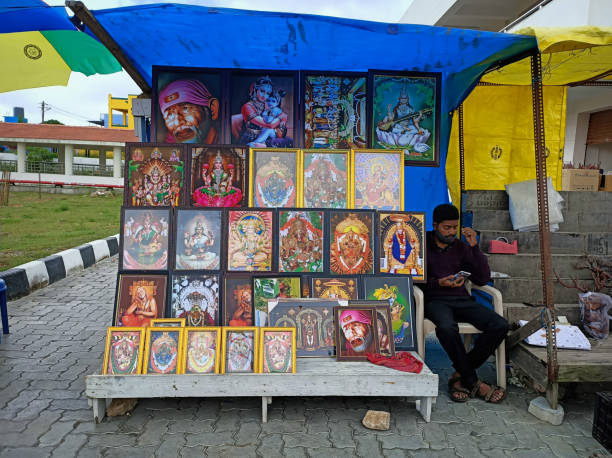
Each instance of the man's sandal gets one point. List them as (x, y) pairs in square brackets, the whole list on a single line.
[(455, 390), (475, 393)]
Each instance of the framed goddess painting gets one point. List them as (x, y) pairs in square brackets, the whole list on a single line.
[(405, 114), (250, 240), (163, 351), (144, 239), (239, 352), (277, 350), (325, 182), (263, 108), (274, 178), (335, 110), (195, 297), (402, 244), (123, 351), (198, 239), (201, 350), (187, 105), (378, 179), (218, 176), (154, 175), (352, 242), (140, 298), (300, 240)]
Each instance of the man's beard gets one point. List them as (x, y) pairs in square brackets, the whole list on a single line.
[(365, 341), (448, 239)]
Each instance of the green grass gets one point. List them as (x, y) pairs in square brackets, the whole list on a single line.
[(32, 228)]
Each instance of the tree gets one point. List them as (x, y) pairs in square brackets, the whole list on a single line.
[(52, 121)]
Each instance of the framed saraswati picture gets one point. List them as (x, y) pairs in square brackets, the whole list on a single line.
[(352, 242), (250, 240), (198, 239), (218, 176), (239, 352), (277, 350), (273, 177), (402, 244), (162, 350), (378, 179), (195, 298), (201, 350), (144, 240), (326, 179), (140, 298), (405, 114), (123, 351), (154, 175), (301, 240), (335, 110)]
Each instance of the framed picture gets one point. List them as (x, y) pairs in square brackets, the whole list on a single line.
[(195, 297), (378, 179), (198, 239), (123, 351), (402, 239), (187, 105), (397, 290), (162, 350), (335, 110), (277, 350), (300, 240), (273, 177), (250, 240), (265, 288), (201, 350), (405, 114), (326, 179), (313, 320), (145, 236), (334, 287), (238, 300), (168, 322), (239, 353), (140, 298), (355, 329), (263, 108), (352, 246), (384, 333), (154, 175), (218, 176)]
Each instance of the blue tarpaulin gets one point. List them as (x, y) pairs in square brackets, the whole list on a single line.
[(196, 36)]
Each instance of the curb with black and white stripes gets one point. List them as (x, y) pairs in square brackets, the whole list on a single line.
[(22, 280)]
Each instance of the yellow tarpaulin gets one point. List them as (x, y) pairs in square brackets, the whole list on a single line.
[(498, 138)]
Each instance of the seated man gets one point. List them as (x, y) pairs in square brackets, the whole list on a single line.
[(447, 302)]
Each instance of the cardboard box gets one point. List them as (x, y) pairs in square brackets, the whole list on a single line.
[(580, 180)]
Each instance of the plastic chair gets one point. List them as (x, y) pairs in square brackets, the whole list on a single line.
[(3, 308), (425, 326)]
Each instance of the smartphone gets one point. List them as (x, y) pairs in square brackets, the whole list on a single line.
[(461, 273)]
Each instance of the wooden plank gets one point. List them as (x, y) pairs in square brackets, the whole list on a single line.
[(530, 364)]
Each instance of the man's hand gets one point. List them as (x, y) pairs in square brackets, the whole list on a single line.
[(451, 281), (470, 235)]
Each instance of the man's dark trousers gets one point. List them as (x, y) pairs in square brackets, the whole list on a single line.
[(446, 312)]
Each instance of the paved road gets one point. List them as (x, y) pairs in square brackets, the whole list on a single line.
[(57, 337)]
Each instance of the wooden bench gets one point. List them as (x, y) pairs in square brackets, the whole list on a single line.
[(314, 377)]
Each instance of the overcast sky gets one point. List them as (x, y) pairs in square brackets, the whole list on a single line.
[(86, 98)]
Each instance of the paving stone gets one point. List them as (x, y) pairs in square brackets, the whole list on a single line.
[(315, 440), (560, 446), (196, 452), (367, 446), (248, 434), (341, 434), (237, 452), (403, 442), (227, 422), (296, 452), (496, 441), (427, 453), (435, 436), (170, 445), (70, 446), (194, 427), (335, 452), (270, 445), (132, 452), (395, 453), (33, 409), (112, 440), (57, 432), (209, 439), (12, 426), (153, 432), (345, 414), (26, 452), (316, 421), (283, 427)]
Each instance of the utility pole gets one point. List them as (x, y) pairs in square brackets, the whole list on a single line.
[(43, 108)]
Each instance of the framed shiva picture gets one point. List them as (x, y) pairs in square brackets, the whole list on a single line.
[(198, 239), (397, 290), (271, 287), (154, 175), (273, 177), (405, 114), (334, 287), (301, 240), (123, 351), (250, 240), (352, 246), (195, 297), (145, 237), (187, 105), (378, 179), (263, 108), (140, 298), (335, 110), (218, 176), (401, 238), (326, 179)]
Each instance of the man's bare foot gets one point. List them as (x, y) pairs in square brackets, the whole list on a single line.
[(489, 393), (458, 392)]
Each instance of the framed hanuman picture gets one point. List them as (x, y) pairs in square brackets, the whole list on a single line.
[(273, 178), (163, 350), (352, 242), (355, 330), (187, 105), (140, 298), (263, 108), (218, 176), (201, 350), (154, 175), (195, 297), (301, 241), (405, 114), (271, 287), (123, 351), (402, 244), (198, 239), (326, 179), (277, 350), (378, 179), (145, 237), (334, 287), (335, 110), (250, 240), (239, 352), (238, 300)]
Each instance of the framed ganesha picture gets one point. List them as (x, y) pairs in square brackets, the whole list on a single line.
[(250, 240), (326, 179), (378, 179), (273, 178)]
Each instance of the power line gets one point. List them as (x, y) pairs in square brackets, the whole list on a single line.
[(69, 113)]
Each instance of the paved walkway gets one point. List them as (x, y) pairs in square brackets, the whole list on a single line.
[(57, 337)]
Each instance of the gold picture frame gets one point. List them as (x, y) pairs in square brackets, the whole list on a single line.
[(313, 168), (262, 350), (224, 348), (275, 164), (186, 345), (168, 322), (107, 347), (382, 186), (173, 365)]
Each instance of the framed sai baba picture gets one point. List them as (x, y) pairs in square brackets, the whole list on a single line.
[(356, 334), (378, 179), (198, 239), (263, 108), (187, 105), (402, 244), (300, 240), (123, 351), (145, 236), (277, 350), (218, 176), (239, 352), (351, 247), (265, 288), (140, 298), (273, 178), (154, 175), (384, 332), (195, 297), (326, 179), (250, 240), (334, 287), (335, 110), (162, 350), (405, 114), (201, 350)]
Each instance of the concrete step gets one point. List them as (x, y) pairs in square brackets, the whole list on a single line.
[(518, 311), (597, 243), (530, 290), (528, 265), (573, 200), (578, 221), (486, 200)]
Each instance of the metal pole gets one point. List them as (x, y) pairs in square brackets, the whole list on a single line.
[(461, 152)]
